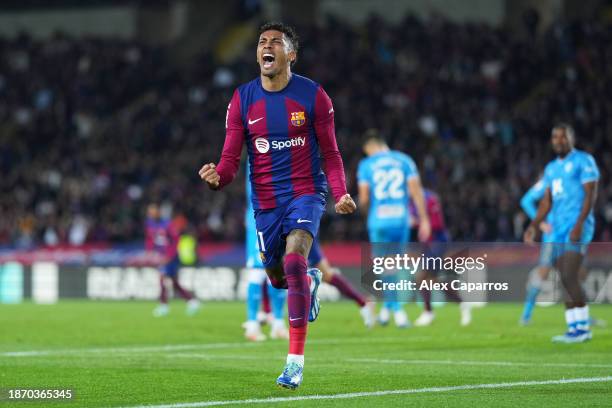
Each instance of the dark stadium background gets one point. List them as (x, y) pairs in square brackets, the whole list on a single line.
[(97, 120), (109, 105)]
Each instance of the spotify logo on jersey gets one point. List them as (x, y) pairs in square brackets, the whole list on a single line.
[(262, 145)]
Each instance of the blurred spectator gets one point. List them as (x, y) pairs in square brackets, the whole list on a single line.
[(91, 129)]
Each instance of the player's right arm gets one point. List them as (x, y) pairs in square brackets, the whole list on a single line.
[(531, 197), (543, 209), (217, 176), (529, 203)]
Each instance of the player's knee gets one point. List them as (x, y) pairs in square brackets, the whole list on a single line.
[(299, 242)]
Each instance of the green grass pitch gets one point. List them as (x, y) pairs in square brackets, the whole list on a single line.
[(115, 354)]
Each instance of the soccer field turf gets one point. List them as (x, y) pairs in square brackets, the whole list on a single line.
[(115, 354)]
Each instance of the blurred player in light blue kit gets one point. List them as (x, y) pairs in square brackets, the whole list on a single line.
[(529, 204), (570, 183), (258, 278), (388, 179)]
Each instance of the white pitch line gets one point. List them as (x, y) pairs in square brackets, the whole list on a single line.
[(230, 345), (379, 393), (206, 346), (219, 356), (178, 347), (408, 362), (475, 362), (126, 349)]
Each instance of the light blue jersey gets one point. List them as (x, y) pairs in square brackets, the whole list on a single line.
[(387, 174), (565, 178), (252, 248)]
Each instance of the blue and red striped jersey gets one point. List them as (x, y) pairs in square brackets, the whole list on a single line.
[(161, 237), (433, 205), (286, 133)]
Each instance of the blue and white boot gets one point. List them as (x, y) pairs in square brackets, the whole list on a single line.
[(575, 336), (291, 377), (315, 280)]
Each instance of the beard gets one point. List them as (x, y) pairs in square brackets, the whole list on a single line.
[(270, 73)]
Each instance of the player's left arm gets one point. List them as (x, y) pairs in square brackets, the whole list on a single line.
[(589, 177), (148, 240), (416, 193), (415, 189), (326, 135), (173, 237), (219, 175), (590, 194)]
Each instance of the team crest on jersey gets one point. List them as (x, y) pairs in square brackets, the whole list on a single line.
[(262, 257), (298, 118)]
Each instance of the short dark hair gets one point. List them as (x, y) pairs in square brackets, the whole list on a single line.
[(569, 130), (285, 29), (373, 135)]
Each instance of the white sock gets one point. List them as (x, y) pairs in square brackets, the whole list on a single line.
[(295, 358), (582, 317), (570, 319)]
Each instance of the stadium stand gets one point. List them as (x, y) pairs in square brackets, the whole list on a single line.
[(92, 129)]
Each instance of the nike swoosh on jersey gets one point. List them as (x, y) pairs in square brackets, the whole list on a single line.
[(294, 319), (254, 121), (299, 221)]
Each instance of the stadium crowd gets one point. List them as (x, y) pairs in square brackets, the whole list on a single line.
[(93, 129)]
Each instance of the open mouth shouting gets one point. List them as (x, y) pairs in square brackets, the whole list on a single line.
[(268, 60)]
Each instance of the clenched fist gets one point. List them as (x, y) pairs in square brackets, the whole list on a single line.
[(209, 174), (345, 205)]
